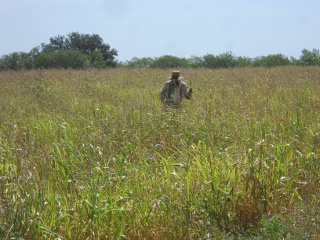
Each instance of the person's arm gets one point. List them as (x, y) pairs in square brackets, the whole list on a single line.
[(186, 92), (164, 92)]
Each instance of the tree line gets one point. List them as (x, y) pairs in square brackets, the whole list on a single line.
[(226, 60), (79, 51)]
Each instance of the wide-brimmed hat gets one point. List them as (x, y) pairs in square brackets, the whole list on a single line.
[(176, 73)]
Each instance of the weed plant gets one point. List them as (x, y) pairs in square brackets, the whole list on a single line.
[(90, 155)]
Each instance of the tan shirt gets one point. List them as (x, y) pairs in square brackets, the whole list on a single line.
[(174, 93)]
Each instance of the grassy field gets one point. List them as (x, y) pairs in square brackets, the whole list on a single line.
[(90, 155)]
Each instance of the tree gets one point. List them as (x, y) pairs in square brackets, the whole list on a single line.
[(140, 62), (16, 61), (10, 61), (295, 62), (63, 59), (210, 61), (59, 42), (86, 44), (196, 62), (96, 60), (244, 62), (72, 51), (272, 60), (168, 61), (310, 58), (225, 60)]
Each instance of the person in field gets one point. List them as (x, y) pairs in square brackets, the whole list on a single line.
[(174, 90)]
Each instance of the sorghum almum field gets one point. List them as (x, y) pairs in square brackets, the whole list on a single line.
[(90, 155)]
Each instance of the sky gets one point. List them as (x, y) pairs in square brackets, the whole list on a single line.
[(154, 28)]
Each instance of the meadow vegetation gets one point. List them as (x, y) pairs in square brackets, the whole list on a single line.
[(89, 154)]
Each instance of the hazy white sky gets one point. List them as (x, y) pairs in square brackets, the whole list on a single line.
[(153, 28)]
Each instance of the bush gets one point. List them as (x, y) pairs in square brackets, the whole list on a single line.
[(140, 62), (225, 60), (310, 58), (271, 61), (62, 59), (169, 61)]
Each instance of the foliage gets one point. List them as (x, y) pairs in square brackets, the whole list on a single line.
[(196, 62), (73, 51), (61, 59), (309, 58), (99, 55), (225, 60), (168, 61), (89, 155), (271, 61), (140, 62), (96, 60), (85, 43), (295, 62), (16, 61), (244, 62)]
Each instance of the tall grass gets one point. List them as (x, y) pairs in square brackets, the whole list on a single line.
[(90, 155)]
